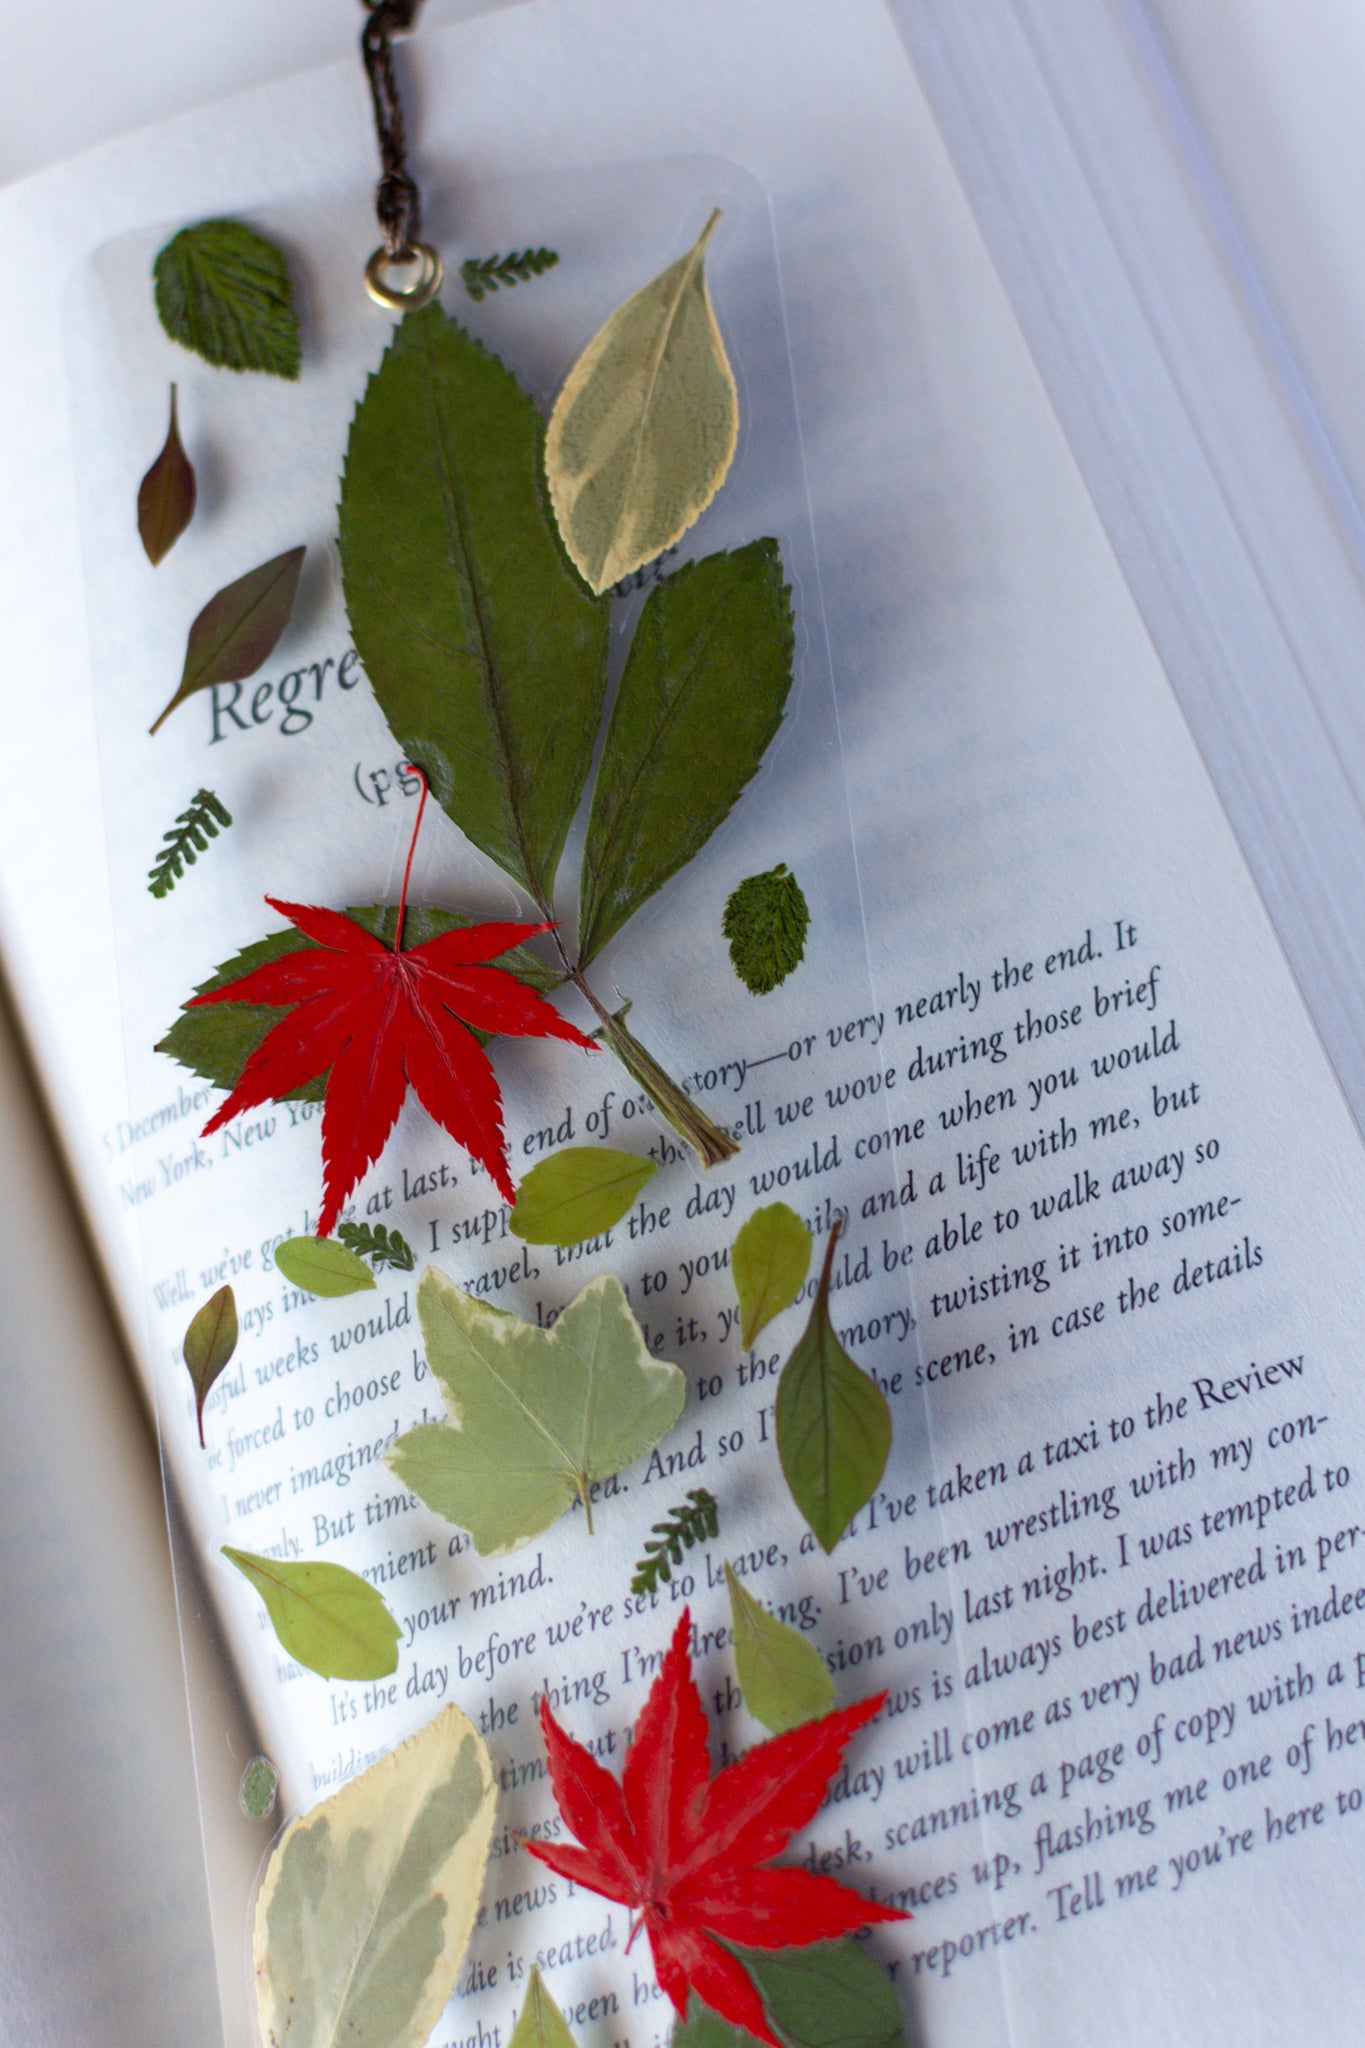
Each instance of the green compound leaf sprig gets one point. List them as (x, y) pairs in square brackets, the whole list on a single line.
[(483, 274), (224, 291), (382, 1247), (765, 924), (201, 820), (687, 1525)]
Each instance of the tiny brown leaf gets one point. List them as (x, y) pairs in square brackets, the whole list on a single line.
[(165, 497), (209, 1343), (238, 627)]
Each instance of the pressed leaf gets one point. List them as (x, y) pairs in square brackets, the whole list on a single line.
[(702, 695), (224, 291), (577, 1193), (238, 628), (687, 1525), (165, 497), (319, 1265), (260, 1781), (369, 1900), (833, 1424), (832, 1995), (483, 274), (765, 923), (540, 2023), (373, 1241), (200, 821), (216, 1040), (209, 1343), (783, 1678), (325, 1616), (644, 431), (769, 1261), (486, 654), (536, 1416)]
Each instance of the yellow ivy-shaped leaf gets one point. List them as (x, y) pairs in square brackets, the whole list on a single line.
[(643, 432), (369, 1899)]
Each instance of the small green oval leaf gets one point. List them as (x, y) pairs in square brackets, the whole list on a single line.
[(783, 1678), (325, 1616), (540, 2024), (769, 1261), (209, 1343), (833, 1424), (765, 925), (260, 1782), (165, 497), (319, 1265), (369, 1900), (224, 291), (238, 628), (644, 431), (577, 1193)]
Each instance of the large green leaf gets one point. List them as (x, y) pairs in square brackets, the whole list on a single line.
[(702, 695), (217, 1040), (830, 1995), (536, 1416), (833, 1426), (326, 1617), (486, 653), (369, 1900)]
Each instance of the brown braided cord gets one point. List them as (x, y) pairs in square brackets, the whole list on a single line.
[(397, 201)]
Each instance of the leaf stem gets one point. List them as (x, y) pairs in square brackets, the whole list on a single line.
[(711, 1144), (412, 769)]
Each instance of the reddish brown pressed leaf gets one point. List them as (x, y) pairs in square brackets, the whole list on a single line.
[(209, 1343), (238, 627), (165, 497), (378, 1021), (685, 1850)]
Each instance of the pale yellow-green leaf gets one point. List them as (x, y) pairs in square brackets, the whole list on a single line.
[(536, 1416), (577, 1193), (783, 1678), (770, 1260), (540, 2023), (325, 1616), (644, 430), (369, 1899)]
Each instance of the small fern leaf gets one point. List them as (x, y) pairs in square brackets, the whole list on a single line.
[(199, 822), (688, 1524), (484, 274), (380, 1246)]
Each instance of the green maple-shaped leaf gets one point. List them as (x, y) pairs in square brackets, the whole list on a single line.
[(536, 1416), (701, 696), (486, 653), (765, 924), (326, 1617), (224, 291)]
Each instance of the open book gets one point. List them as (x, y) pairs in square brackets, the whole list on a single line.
[(1102, 1195)]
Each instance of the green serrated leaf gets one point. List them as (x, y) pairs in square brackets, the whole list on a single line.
[(765, 923), (374, 1242), (209, 1343), (238, 628), (486, 654), (769, 1262), (783, 1678), (536, 1416), (325, 1616), (644, 431), (702, 695), (833, 1994), (540, 2024), (319, 1265), (833, 1424), (224, 291), (217, 1040), (577, 1193), (369, 1900), (165, 497), (260, 1782)]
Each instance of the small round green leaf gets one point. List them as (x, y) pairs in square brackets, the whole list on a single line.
[(260, 1781), (770, 1260), (319, 1265), (765, 923), (783, 1678), (224, 291), (325, 1616), (577, 1193)]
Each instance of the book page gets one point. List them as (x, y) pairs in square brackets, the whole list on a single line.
[(1101, 1198)]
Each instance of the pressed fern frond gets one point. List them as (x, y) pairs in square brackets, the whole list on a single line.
[(380, 1246), (483, 274), (186, 840), (689, 1523)]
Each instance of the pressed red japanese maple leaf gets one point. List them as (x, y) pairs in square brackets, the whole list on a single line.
[(684, 1849), (378, 1020)]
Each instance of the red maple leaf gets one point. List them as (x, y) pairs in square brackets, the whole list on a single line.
[(377, 1020), (683, 1849)]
